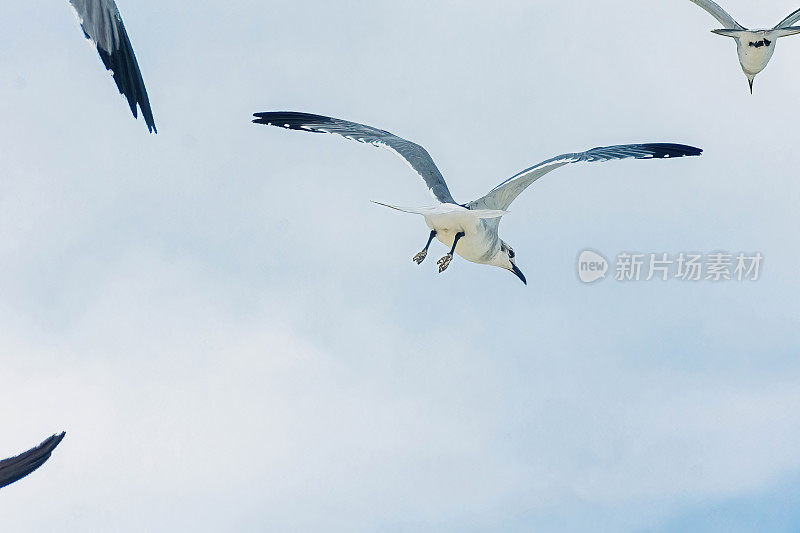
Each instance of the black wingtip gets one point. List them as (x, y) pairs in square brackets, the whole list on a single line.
[(667, 150), (49, 444), (16, 468), (57, 438), (125, 68), (292, 120)]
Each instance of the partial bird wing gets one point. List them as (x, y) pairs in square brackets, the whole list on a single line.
[(720, 14), (16, 468), (413, 154), (501, 196), (788, 21), (446, 209), (102, 24)]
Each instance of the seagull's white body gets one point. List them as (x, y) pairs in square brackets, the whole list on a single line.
[(480, 243), (754, 59), (754, 47), (471, 229)]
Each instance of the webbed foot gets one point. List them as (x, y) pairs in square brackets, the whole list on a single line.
[(444, 262)]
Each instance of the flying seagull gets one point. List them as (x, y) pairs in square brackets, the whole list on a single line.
[(16, 468), (102, 24), (755, 47), (470, 229)]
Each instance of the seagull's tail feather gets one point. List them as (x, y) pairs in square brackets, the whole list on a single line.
[(445, 209), (412, 210)]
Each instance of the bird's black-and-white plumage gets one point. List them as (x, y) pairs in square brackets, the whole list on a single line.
[(470, 229), (754, 47), (102, 24), (15, 468)]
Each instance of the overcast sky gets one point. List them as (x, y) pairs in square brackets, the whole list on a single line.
[(236, 339)]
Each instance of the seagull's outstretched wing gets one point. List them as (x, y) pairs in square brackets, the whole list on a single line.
[(788, 21), (501, 196), (415, 155), (720, 14), (102, 24), (16, 468)]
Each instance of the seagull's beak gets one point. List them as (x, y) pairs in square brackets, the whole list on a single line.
[(517, 272)]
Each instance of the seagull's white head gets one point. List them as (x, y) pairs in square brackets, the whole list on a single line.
[(505, 259)]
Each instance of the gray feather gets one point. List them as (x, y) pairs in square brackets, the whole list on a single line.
[(718, 13), (501, 196), (415, 155)]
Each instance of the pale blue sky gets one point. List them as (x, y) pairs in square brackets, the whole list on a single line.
[(235, 339)]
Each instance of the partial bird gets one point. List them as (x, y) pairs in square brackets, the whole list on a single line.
[(755, 47), (471, 229), (16, 468), (102, 24)]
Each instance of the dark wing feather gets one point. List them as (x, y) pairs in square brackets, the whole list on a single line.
[(15, 468), (102, 24)]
